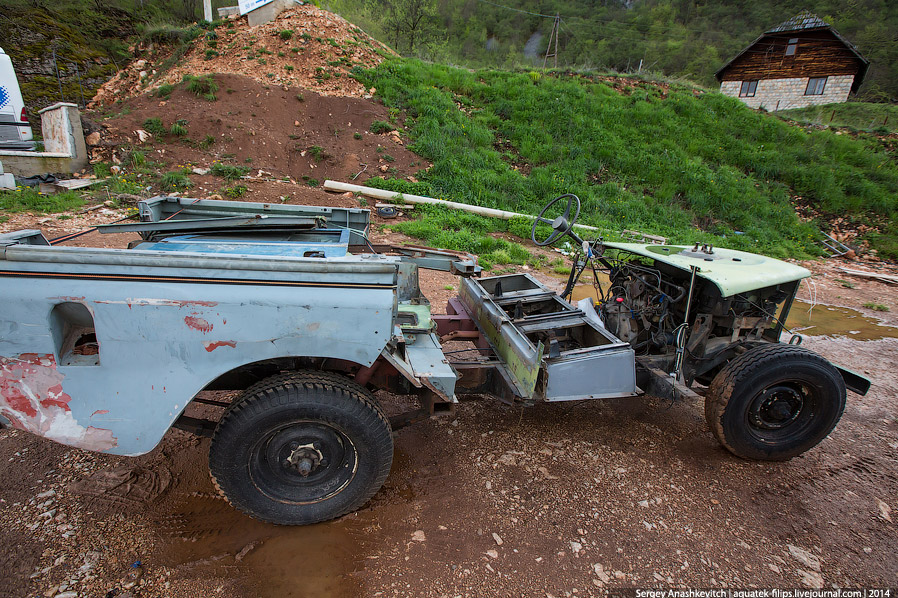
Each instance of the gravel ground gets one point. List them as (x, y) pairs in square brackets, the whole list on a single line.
[(559, 500)]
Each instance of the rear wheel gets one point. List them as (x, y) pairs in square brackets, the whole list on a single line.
[(774, 402), (301, 448)]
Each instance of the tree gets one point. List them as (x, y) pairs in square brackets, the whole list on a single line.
[(409, 23)]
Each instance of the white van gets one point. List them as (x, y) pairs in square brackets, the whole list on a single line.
[(12, 110)]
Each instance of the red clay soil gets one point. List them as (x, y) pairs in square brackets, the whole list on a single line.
[(276, 132)]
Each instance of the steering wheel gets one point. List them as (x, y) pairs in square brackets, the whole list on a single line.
[(562, 225)]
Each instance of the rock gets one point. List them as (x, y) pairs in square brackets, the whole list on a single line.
[(419, 536), (497, 538), (140, 64), (143, 74), (774, 568), (805, 557), (93, 138), (47, 494), (142, 135), (812, 579), (493, 554), (600, 572), (643, 503), (576, 547), (69, 594), (885, 511), (200, 171)]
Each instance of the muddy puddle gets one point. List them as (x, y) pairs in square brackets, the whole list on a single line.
[(828, 320), (208, 536)]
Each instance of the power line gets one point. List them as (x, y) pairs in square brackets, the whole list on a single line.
[(526, 12)]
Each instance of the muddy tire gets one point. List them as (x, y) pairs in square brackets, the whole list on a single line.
[(774, 402), (301, 448)]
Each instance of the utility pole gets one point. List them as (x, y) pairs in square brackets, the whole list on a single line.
[(556, 26)]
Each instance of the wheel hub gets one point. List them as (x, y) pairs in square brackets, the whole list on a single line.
[(304, 458), (776, 408)]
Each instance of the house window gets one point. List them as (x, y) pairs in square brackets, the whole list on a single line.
[(815, 86), (793, 45), (748, 89)]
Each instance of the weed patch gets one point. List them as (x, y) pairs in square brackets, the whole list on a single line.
[(28, 199), (228, 171), (203, 86)]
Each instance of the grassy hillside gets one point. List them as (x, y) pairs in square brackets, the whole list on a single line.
[(862, 116), (663, 159)]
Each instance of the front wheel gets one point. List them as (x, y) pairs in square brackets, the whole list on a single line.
[(774, 402), (301, 448)]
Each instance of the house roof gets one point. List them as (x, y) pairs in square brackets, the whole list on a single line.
[(799, 22), (804, 22)]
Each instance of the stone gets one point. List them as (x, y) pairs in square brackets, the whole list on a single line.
[(493, 554), (885, 511), (7, 181), (419, 536), (804, 557), (93, 138), (497, 538), (811, 579)]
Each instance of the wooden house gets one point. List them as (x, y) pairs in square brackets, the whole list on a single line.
[(802, 62)]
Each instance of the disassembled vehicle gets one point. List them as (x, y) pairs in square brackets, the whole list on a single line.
[(104, 349)]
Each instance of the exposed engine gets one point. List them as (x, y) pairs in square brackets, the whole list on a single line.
[(638, 307)]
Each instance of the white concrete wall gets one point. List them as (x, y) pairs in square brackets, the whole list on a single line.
[(783, 94)]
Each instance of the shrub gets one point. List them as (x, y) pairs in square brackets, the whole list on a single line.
[(163, 91), (236, 191), (286, 34)]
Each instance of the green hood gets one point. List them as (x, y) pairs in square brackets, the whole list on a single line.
[(733, 272)]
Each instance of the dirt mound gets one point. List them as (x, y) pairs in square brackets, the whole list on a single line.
[(305, 46), (273, 133)]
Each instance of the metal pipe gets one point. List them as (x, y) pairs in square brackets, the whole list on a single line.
[(681, 336), (390, 195)]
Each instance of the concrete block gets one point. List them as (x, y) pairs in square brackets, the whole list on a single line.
[(267, 13), (226, 11), (7, 181)]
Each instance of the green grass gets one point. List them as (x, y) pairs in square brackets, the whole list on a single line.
[(179, 129), (688, 167), (862, 116), (27, 199), (235, 191), (381, 126), (876, 306), (318, 153), (154, 127), (203, 86), (228, 171), (176, 180), (460, 231)]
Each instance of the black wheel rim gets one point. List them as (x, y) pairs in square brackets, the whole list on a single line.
[(303, 462), (782, 412)]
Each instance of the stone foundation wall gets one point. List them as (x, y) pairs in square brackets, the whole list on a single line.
[(783, 94)]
